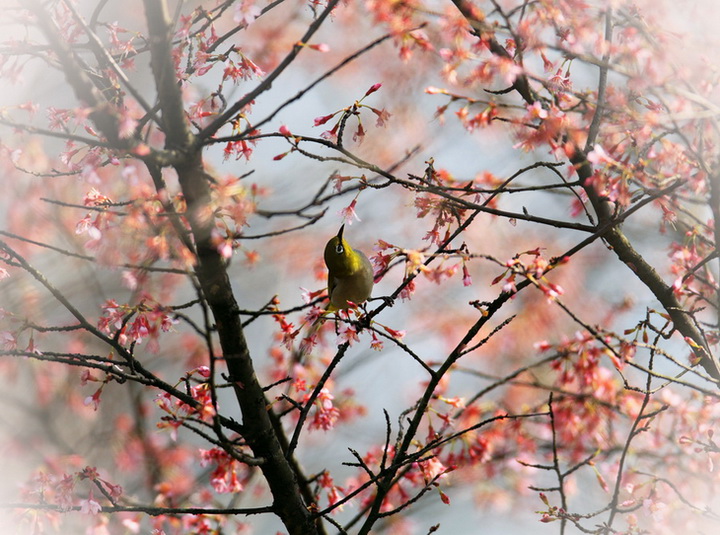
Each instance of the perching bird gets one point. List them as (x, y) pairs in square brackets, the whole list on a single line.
[(350, 274), (350, 280)]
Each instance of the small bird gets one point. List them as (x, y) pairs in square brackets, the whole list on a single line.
[(350, 280), (350, 274)]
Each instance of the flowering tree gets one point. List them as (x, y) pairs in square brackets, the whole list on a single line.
[(539, 179)]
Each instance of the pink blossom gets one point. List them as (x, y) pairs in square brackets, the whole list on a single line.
[(90, 506), (325, 414), (348, 333), (129, 280), (224, 477), (246, 12), (131, 524), (324, 119), (376, 343), (536, 111), (204, 371), (321, 47), (359, 134), (396, 334), (308, 296), (467, 280), (348, 213), (94, 400), (598, 156), (372, 89), (7, 341), (552, 291), (382, 117), (225, 249)]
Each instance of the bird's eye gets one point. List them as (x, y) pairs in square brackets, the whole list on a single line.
[(339, 249)]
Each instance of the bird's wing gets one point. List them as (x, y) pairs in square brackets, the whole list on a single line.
[(332, 283)]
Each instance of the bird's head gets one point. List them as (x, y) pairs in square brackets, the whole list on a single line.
[(340, 258)]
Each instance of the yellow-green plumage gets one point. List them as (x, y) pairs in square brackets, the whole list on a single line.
[(350, 274)]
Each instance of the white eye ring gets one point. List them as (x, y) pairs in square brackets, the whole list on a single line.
[(339, 249)]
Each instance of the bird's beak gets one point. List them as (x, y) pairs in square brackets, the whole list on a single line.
[(340, 232)]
